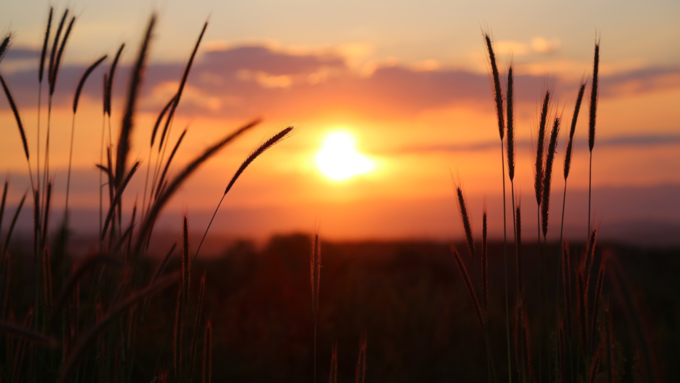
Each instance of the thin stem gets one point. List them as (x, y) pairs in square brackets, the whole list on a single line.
[(70, 160), (505, 271), (540, 294), (101, 180), (38, 141), (590, 181), (558, 279), (47, 149), (146, 184), (315, 326), (208, 228)]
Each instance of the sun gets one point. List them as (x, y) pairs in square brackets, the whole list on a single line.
[(338, 158)]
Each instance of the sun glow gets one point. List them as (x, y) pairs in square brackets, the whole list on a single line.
[(338, 158)]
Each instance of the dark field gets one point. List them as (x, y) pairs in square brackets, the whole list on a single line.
[(412, 302)]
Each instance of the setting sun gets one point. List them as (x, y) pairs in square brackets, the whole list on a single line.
[(338, 158)]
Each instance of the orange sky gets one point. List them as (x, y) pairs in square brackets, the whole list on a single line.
[(420, 115)]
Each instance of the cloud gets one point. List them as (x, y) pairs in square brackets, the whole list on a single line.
[(266, 60), (242, 81), (21, 53), (646, 141), (537, 45)]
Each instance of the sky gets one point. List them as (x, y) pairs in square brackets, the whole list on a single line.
[(408, 81)]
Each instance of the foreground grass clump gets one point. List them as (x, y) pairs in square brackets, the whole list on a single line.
[(85, 315), (569, 338)]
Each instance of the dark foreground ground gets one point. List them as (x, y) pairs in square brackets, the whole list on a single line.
[(411, 300)]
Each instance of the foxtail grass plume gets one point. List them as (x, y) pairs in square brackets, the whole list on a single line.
[(511, 127), (17, 118), (545, 203), (261, 149), (147, 223), (591, 124), (182, 82), (593, 98), (268, 144), (109, 80), (466, 221), (538, 172), (55, 48), (572, 130), (4, 45), (498, 95), (84, 77), (57, 62), (43, 53), (131, 103)]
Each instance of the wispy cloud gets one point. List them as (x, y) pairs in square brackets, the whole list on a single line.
[(637, 141), (237, 81)]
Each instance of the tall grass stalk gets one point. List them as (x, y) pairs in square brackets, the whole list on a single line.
[(315, 279), (53, 74), (148, 164), (333, 374), (17, 118), (360, 370), (539, 174), (261, 149), (567, 153), (40, 79), (545, 211), (162, 146), (561, 276), (76, 98), (498, 98), (591, 123)]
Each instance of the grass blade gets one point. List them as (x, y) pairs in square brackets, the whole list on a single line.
[(133, 95), (55, 47), (11, 226), (117, 198), (468, 284), (81, 83), (44, 48), (109, 81), (102, 324), (17, 118), (57, 62), (185, 76), (545, 203), (498, 95)]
